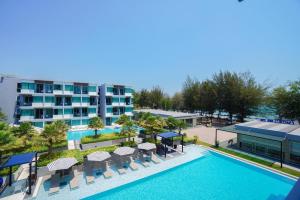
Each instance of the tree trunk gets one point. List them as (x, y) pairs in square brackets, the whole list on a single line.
[(230, 117), (50, 147), (95, 132)]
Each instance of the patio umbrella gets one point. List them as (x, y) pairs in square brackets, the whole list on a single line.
[(124, 151), (61, 164), (147, 146), (98, 156)]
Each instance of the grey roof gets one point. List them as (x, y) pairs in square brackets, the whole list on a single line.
[(268, 130), (61, 164), (147, 146), (98, 156), (164, 113), (294, 135), (124, 151)]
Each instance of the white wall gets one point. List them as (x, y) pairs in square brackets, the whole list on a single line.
[(8, 96)]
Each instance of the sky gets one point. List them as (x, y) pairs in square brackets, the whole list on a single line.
[(146, 43)]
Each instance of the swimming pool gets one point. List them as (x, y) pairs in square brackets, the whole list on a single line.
[(209, 177), (213, 177), (77, 135)]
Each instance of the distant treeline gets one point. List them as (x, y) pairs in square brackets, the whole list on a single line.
[(238, 94)]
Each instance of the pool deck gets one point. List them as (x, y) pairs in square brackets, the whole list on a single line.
[(101, 184)]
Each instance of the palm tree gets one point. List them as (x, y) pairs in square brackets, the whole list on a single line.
[(25, 132), (172, 123), (96, 123), (181, 125), (128, 128), (153, 125), (54, 133), (122, 119), (7, 139)]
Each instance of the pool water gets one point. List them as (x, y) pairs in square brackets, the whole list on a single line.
[(77, 135), (212, 177)]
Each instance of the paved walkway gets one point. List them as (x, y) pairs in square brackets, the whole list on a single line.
[(207, 134)]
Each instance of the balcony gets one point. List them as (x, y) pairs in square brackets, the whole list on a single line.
[(26, 118)]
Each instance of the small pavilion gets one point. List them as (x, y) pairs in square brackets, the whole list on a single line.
[(20, 159), (168, 137)]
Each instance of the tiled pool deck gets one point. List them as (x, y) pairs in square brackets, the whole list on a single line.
[(101, 184)]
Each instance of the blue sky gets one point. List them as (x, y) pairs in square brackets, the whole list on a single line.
[(145, 43)]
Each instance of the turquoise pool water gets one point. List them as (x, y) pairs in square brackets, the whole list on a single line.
[(77, 135), (213, 177)]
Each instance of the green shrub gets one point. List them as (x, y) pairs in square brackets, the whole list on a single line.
[(101, 138)]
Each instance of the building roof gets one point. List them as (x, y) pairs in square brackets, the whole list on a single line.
[(294, 135), (168, 134), (19, 159), (269, 130), (164, 113)]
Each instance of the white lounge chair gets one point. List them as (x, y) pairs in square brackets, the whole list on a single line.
[(74, 181), (54, 188), (133, 165), (89, 176), (154, 158), (107, 172)]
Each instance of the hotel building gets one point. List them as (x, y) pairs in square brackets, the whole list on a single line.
[(115, 100), (43, 101)]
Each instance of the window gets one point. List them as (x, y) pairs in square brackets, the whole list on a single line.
[(92, 88), (48, 88), (57, 87), (76, 99), (27, 100), (85, 99), (58, 111), (115, 91), (128, 101), (108, 100), (38, 114), (122, 91), (27, 112), (38, 99), (68, 111), (121, 110), (84, 112), (115, 111), (76, 112), (77, 89), (58, 101), (69, 88), (49, 99), (84, 89), (39, 88), (92, 110), (48, 113), (68, 101), (93, 101)]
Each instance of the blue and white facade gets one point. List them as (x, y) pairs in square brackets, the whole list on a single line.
[(43, 101), (114, 101)]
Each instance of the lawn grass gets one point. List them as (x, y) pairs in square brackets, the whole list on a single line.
[(102, 138), (253, 159)]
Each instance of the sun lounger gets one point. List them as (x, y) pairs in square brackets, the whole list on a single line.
[(107, 172), (89, 176), (121, 170), (74, 181), (132, 164), (145, 163), (54, 188), (154, 158)]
